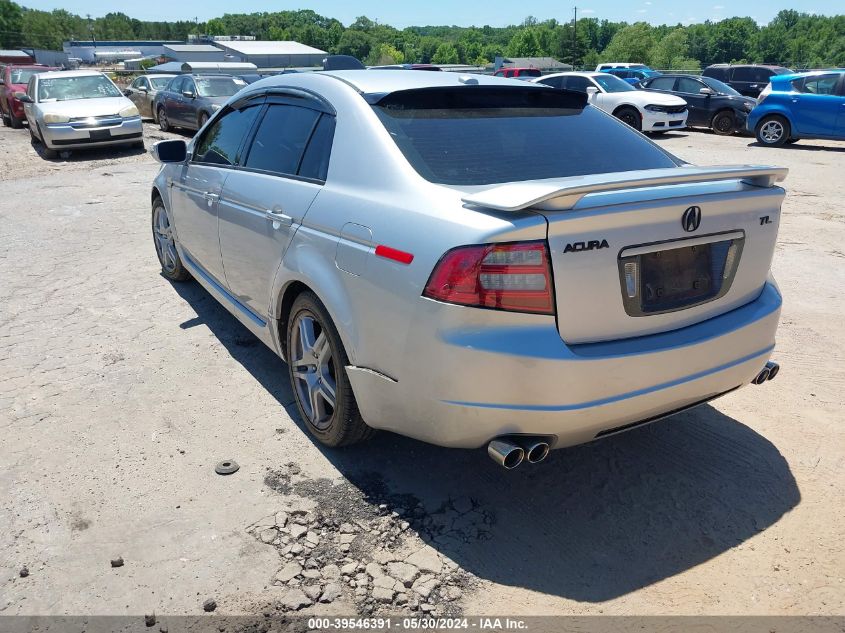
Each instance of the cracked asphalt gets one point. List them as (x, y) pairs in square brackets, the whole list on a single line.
[(119, 392)]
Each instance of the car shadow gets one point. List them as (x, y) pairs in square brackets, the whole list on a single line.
[(592, 522), (797, 146), (84, 155)]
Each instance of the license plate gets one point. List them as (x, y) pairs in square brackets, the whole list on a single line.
[(675, 278), (99, 135)]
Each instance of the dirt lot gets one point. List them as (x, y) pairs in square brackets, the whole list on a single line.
[(119, 392)]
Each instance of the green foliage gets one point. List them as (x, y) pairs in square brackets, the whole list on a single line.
[(10, 24), (794, 39), (446, 54)]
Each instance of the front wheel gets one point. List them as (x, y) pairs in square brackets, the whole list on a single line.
[(163, 123), (630, 117), (772, 131), (165, 243), (317, 368), (723, 123)]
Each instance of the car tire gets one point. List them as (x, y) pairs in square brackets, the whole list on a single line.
[(629, 116), (316, 363), (723, 123), (15, 122), (138, 145), (772, 131), (165, 244), (163, 123)]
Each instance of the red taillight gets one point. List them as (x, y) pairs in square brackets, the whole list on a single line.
[(513, 276)]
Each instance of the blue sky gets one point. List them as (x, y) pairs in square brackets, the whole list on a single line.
[(459, 12)]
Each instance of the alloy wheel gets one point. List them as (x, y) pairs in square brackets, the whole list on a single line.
[(165, 244), (772, 131), (313, 368)]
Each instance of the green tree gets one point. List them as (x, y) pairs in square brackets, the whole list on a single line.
[(630, 44), (355, 43), (524, 44), (385, 54), (10, 24), (446, 54)]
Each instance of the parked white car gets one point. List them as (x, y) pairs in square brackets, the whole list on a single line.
[(645, 111), (79, 109)]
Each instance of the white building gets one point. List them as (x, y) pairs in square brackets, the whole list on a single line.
[(111, 50), (194, 53), (268, 54)]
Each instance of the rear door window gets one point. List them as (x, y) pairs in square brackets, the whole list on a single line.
[(821, 85), (280, 140), (489, 135), (743, 73), (662, 83), (222, 140), (315, 161), (554, 82)]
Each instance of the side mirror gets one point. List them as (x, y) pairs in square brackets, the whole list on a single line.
[(23, 97), (707, 91), (188, 94), (173, 151), (142, 89), (592, 91)]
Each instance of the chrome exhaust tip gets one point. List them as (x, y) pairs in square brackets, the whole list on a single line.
[(762, 377), (505, 453), (773, 368), (535, 450)]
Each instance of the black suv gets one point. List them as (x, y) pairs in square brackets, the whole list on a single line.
[(710, 102), (747, 79)]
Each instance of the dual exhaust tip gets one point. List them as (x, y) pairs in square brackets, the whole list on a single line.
[(511, 452), (767, 373)]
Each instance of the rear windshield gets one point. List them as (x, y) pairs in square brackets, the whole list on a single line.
[(219, 86), (22, 75), (484, 135)]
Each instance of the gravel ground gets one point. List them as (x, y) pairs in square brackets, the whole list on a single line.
[(119, 392)]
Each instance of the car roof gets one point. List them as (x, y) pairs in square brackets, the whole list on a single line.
[(159, 75), (70, 73), (575, 74), (814, 73), (386, 81)]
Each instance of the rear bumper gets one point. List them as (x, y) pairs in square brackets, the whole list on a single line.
[(465, 386), (66, 136)]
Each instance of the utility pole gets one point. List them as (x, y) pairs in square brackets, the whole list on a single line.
[(574, 36)]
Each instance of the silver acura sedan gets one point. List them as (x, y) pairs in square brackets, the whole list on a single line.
[(470, 260)]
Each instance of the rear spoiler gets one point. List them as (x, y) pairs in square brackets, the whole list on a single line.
[(565, 193)]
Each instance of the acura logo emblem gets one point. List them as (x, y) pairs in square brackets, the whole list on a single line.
[(691, 219)]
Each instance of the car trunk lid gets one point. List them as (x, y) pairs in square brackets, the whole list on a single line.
[(637, 253)]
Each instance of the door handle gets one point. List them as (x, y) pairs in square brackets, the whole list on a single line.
[(276, 216), (210, 195)]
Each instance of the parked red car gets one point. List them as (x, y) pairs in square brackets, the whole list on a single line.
[(517, 73), (14, 78)]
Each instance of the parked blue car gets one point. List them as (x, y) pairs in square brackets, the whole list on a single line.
[(805, 105), (633, 75)]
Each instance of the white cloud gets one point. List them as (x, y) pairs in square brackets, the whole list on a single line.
[(718, 7), (587, 11), (641, 10), (647, 3)]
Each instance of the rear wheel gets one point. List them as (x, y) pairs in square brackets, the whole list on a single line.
[(163, 123), (772, 131), (165, 243), (317, 368), (723, 123), (629, 116), (15, 122)]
